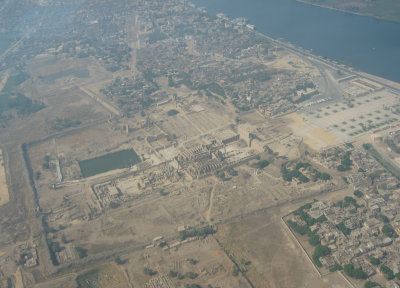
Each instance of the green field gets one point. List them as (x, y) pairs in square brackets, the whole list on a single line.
[(14, 81), (77, 73), (6, 39), (18, 102), (108, 162), (384, 9), (104, 277), (4, 102), (88, 279), (10, 99)]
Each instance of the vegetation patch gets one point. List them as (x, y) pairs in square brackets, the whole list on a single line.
[(148, 271), (104, 277), (82, 253), (320, 251), (14, 81), (354, 272), (72, 72), (215, 88), (6, 38), (64, 123), (346, 162), (387, 271), (20, 103), (371, 284), (156, 36), (12, 100), (260, 164), (88, 279), (358, 193), (374, 261), (172, 112), (343, 228), (314, 240), (388, 230), (315, 175), (197, 232), (288, 175)]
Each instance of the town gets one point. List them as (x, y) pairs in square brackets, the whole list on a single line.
[(154, 144)]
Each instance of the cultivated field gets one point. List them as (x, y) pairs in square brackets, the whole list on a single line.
[(386, 9), (107, 276)]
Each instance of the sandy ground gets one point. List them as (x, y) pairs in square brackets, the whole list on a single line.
[(4, 196), (292, 62), (275, 260), (298, 121), (19, 283), (315, 138), (312, 144), (105, 104), (318, 138), (324, 136), (129, 186)]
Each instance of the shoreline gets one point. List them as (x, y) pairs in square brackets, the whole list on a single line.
[(383, 81), (348, 12), (390, 79)]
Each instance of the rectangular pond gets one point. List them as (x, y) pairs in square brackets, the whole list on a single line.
[(116, 160)]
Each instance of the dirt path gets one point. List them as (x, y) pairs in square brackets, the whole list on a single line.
[(109, 107), (19, 283), (4, 80), (208, 213), (4, 196)]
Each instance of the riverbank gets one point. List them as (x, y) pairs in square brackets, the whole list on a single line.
[(308, 55), (395, 20), (361, 42)]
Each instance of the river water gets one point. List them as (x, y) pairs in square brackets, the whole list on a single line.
[(365, 43)]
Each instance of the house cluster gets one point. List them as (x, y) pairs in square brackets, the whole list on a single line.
[(362, 230)]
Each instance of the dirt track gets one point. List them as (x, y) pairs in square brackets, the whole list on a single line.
[(4, 196)]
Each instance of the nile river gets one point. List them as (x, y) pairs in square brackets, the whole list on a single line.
[(365, 43)]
